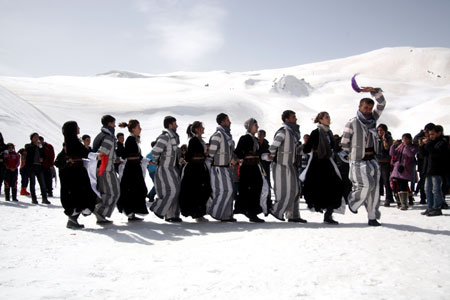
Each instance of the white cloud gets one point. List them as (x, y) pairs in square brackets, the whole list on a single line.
[(183, 32)]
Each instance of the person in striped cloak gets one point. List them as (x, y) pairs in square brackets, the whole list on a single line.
[(108, 183), (167, 176), (285, 173), (360, 141), (221, 153)]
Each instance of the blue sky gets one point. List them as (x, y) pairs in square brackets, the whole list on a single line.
[(86, 37)]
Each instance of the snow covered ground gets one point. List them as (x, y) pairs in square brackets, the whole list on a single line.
[(406, 258)]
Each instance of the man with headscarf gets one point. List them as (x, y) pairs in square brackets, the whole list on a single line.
[(285, 173), (167, 177), (360, 141), (108, 183), (221, 154)]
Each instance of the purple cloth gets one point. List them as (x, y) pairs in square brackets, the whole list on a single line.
[(407, 155), (355, 85)]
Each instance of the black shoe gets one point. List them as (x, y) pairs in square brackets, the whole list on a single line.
[(444, 205), (72, 223), (45, 202), (159, 216), (255, 219), (425, 213), (174, 220), (434, 212), (273, 215), (423, 201), (374, 223), (297, 220), (330, 220), (104, 222), (353, 211), (134, 218), (230, 220), (34, 201), (150, 199)]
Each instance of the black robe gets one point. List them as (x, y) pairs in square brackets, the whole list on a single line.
[(76, 191), (132, 185), (195, 187), (250, 179), (323, 189)]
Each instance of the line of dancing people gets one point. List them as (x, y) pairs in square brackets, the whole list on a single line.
[(205, 185), (201, 182)]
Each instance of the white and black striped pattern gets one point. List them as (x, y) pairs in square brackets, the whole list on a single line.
[(108, 184), (167, 178), (219, 149), (286, 188), (221, 207), (166, 151), (365, 178), (354, 136), (109, 187), (167, 185), (283, 147)]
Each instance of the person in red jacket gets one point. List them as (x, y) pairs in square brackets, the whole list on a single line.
[(48, 166), (12, 162)]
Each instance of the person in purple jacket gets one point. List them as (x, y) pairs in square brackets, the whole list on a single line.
[(404, 166)]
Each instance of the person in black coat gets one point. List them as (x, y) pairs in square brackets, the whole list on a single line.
[(132, 185), (195, 187), (35, 157), (435, 150), (323, 185), (77, 195), (250, 180)]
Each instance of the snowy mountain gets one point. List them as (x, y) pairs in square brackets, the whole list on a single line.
[(406, 258), (416, 84)]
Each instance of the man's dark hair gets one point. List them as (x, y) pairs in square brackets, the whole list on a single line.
[(168, 120), (366, 101), (41, 138), (438, 129), (429, 126), (107, 119), (33, 134), (119, 135), (221, 117), (263, 132), (85, 136), (286, 114)]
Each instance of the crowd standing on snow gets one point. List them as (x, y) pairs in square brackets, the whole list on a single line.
[(221, 178)]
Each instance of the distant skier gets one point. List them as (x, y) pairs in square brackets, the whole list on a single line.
[(167, 176), (360, 141)]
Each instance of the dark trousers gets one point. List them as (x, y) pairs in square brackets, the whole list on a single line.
[(33, 173), (385, 169), (25, 178), (2, 175), (48, 177), (421, 187), (11, 179), (152, 192)]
